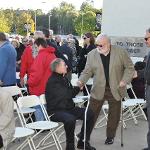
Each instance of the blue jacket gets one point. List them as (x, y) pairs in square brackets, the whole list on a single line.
[(8, 64)]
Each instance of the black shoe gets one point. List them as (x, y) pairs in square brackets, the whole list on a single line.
[(80, 145), (109, 141), (145, 149), (70, 146)]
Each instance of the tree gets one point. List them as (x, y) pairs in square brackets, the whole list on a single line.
[(85, 22), (4, 25), (62, 19), (25, 18)]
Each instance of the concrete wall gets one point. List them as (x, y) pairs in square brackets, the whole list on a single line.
[(127, 18)]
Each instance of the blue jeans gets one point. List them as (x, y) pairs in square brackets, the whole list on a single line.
[(39, 116)]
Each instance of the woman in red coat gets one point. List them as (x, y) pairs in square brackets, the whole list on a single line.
[(40, 71), (28, 57)]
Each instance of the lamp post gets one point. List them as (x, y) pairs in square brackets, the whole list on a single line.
[(49, 16), (81, 24), (49, 21), (35, 19)]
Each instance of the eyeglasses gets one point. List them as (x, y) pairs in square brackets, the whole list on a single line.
[(84, 37), (146, 38), (99, 45)]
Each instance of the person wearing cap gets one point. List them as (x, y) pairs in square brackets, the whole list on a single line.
[(112, 69)]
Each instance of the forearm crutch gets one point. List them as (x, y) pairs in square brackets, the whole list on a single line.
[(85, 115)]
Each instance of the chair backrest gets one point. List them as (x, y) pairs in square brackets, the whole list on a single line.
[(43, 102), (90, 81), (74, 81), (136, 59), (13, 90), (28, 101), (129, 87)]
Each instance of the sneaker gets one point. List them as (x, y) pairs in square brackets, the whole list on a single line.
[(80, 145), (109, 141)]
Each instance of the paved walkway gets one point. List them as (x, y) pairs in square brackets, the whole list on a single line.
[(134, 138)]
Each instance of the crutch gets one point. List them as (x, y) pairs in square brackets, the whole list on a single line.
[(122, 123), (85, 115)]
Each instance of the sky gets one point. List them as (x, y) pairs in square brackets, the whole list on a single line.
[(43, 4)]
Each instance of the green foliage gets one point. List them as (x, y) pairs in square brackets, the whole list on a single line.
[(4, 23), (64, 19)]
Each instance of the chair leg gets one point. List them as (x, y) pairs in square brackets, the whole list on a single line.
[(133, 116)]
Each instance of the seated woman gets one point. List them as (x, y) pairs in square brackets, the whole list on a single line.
[(7, 123), (59, 94)]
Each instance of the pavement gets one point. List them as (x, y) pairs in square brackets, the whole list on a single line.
[(134, 137)]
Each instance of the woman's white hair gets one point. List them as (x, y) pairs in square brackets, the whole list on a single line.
[(101, 36)]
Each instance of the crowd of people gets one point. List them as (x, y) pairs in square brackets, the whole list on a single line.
[(49, 63)]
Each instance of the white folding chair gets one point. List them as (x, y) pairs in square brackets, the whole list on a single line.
[(43, 102), (16, 91), (31, 101), (79, 100), (23, 132), (131, 108), (137, 104)]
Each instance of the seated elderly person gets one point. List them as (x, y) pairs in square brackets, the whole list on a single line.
[(7, 123), (59, 94)]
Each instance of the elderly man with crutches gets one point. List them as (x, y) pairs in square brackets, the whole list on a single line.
[(112, 69)]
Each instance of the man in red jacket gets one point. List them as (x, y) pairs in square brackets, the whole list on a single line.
[(40, 72)]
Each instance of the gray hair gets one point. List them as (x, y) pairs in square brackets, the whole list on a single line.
[(38, 34), (55, 63), (100, 36)]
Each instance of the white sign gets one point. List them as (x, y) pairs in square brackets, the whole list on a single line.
[(136, 47)]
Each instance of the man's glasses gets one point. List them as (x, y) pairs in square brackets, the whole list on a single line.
[(146, 38), (99, 45)]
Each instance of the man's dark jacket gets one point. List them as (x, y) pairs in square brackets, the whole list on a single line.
[(59, 93)]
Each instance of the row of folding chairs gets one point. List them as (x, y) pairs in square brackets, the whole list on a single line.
[(31, 131)]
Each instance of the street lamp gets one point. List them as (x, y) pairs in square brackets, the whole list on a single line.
[(35, 19), (49, 21), (49, 17), (82, 24)]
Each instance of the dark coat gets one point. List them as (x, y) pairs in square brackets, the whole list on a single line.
[(59, 93), (57, 52), (83, 57), (66, 50), (147, 70)]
